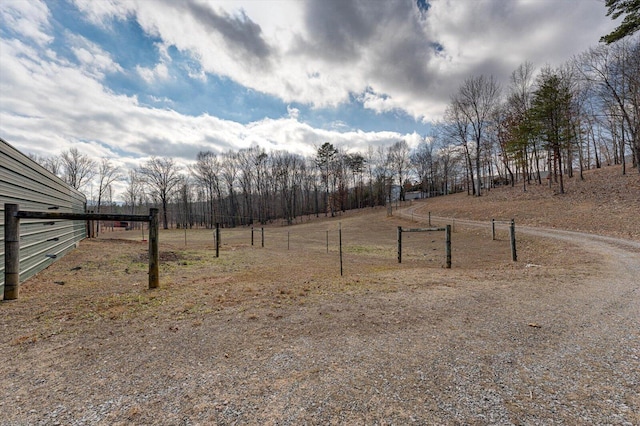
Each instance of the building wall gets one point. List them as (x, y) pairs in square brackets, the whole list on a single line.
[(33, 188)]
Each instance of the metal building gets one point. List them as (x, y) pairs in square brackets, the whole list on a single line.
[(33, 188)]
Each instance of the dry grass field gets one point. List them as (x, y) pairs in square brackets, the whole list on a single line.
[(276, 335)]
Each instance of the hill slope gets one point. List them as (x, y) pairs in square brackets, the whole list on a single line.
[(606, 202)]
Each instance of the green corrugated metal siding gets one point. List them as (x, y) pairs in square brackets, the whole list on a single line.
[(24, 182)]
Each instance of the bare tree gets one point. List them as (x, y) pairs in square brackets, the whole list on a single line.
[(133, 191), (447, 158), (514, 125), (457, 128), (247, 161), (615, 69), (383, 174), (79, 169), (184, 203), (476, 99), (399, 161), (107, 174), (422, 162), (51, 163), (161, 175), (206, 171)]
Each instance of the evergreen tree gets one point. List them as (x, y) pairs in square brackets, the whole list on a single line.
[(551, 112)]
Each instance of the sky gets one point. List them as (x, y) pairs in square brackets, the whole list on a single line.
[(132, 79)]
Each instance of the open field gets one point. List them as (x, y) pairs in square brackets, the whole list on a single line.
[(276, 335)]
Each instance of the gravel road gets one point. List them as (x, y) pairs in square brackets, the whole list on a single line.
[(579, 360)]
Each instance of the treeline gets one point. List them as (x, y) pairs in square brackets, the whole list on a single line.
[(551, 122), (540, 127)]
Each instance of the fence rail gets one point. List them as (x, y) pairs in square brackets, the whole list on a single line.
[(447, 233), (13, 214)]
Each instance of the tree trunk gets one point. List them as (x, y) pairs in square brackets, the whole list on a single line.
[(479, 177)]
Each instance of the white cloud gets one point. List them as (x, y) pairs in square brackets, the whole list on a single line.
[(94, 61), (293, 113), (102, 12), (65, 107), (320, 53), (27, 18), (151, 75), (377, 103)]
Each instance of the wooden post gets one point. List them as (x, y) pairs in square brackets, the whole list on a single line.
[(447, 237), (327, 241), (429, 218), (399, 244), (340, 244), (154, 253), (217, 239), (252, 236), (493, 229), (262, 229), (11, 252), (288, 238), (87, 226), (512, 235), (92, 233)]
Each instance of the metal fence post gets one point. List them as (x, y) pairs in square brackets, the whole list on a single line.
[(447, 238), (154, 253), (340, 245), (217, 239), (512, 235), (399, 244)]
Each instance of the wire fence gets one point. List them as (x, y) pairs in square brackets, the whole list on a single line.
[(369, 238)]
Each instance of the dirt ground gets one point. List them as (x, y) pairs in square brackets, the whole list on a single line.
[(276, 335)]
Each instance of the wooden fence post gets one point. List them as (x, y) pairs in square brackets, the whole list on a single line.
[(512, 235), (447, 237), (154, 253), (262, 230), (493, 229), (399, 244), (11, 252)]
